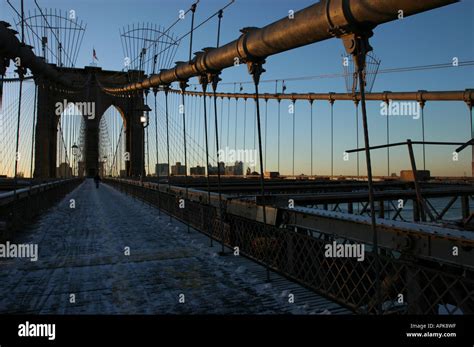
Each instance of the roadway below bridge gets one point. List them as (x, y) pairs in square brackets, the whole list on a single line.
[(112, 254)]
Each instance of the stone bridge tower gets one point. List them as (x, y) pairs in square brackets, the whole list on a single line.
[(87, 91)]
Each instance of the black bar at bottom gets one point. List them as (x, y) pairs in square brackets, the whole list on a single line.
[(328, 330)]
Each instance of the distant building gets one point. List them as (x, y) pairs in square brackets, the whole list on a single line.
[(198, 171), (213, 169), (178, 169), (236, 170), (161, 169), (271, 174), (407, 175), (251, 173)]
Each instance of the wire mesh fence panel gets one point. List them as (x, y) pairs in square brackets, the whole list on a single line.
[(20, 208), (408, 285)]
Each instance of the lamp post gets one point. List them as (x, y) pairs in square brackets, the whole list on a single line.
[(144, 119), (105, 165), (75, 151)]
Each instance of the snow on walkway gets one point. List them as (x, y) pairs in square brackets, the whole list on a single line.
[(82, 258)]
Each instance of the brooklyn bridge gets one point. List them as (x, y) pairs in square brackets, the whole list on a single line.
[(219, 168)]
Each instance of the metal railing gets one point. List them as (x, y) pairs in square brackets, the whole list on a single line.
[(408, 284), (18, 208)]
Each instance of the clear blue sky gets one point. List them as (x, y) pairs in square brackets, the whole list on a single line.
[(429, 38)]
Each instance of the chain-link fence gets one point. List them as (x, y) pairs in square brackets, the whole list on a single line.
[(407, 284), (21, 207)]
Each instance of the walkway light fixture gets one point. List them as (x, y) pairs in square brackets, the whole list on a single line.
[(75, 150), (105, 165), (75, 153), (144, 118)]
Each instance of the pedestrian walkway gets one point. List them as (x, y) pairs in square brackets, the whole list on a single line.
[(103, 252)]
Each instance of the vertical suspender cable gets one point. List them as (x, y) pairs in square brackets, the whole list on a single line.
[(221, 120), (183, 86), (20, 71), (279, 118), (388, 148), (71, 126), (256, 70), (360, 47), (147, 150), (422, 105), (294, 120), (235, 125), (245, 118), (157, 167), (266, 129), (236, 118), (388, 161), (66, 126), (356, 102), (203, 81), (370, 182), (228, 120), (215, 80), (33, 136), (311, 115), (331, 101), (168, 144), (254, 132), (59, 155), (278, 131), (219, 20)]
